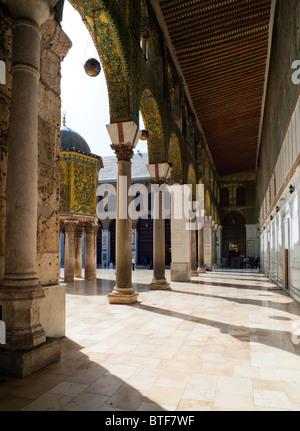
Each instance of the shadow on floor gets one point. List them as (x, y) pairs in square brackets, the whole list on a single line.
[(271, 337), (73, 383), (256, 302)]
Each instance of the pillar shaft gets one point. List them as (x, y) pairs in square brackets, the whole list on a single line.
[(159, 252), (123, 291), (21, 186), (200, 251), (78, 253), (90, 266), (70, 227), (20, 293)]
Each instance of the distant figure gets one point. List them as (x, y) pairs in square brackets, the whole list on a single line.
[(133, 262), (111, 265), (105, 264)]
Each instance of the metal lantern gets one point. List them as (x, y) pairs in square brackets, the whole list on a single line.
[(92, 67)]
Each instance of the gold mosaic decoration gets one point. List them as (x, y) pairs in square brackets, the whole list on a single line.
[(78, 183)]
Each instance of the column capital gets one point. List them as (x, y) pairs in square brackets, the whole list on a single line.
[(124, 152), (70, 225), (159, 172), (79, 230), (91, 227), (35, 10)]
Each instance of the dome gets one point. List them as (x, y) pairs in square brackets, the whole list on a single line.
[(71, 140)]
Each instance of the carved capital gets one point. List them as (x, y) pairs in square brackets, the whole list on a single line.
[(79, 230), (37, 11), (91, 227), (124, 152), (70, 226)]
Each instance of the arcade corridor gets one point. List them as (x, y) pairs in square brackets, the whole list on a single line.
[(227, 341)]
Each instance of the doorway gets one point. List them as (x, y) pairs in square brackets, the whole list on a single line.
[(234, 240)]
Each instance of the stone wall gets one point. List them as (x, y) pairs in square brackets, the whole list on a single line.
[(54, 47), (282, 93)]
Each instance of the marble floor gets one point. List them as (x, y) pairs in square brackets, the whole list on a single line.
[(224, 341)]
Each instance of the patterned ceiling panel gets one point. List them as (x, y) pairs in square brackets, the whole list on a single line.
[(221, 46)]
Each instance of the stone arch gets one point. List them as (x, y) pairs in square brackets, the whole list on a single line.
[(192, 180), (175, 159), (105, 35), (153, 123)]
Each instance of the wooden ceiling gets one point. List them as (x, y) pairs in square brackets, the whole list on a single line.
[(221, 47)]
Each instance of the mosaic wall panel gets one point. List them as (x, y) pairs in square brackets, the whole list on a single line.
[(175, 159), (78, 183)]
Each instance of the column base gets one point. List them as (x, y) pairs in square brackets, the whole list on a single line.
[(22, 363), (201, 271), (194, 273), (122, 295), (161, 284), (181, 271)]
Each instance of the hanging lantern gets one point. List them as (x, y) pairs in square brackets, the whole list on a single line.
[(92, 67)]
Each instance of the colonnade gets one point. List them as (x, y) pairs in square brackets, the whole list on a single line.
[(74, 230)]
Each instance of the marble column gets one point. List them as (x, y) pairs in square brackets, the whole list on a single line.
[(90, 264), (193, 246), (124, 137), (20, 292), (207, 240), (78, 251), (214, 245), (70, 227), (201, 269), (159, 174)]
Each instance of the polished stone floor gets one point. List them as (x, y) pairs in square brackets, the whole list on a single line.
[(224, 341)]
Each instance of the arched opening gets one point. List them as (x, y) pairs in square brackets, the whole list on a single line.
[(99, 244), (145, 242), (112, 230), (234, 239)]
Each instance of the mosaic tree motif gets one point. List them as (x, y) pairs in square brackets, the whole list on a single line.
[(78, 182), (175, 159), (105, 35), (153, 123), (192, 180)]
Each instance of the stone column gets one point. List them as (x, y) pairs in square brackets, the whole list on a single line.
[(70, 227), (214, 245), (124, 137), (201, 269), (78, 251), (193, 246), (159, 174), (207, 240), (180, 238), (20, 293), (90, 265)]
